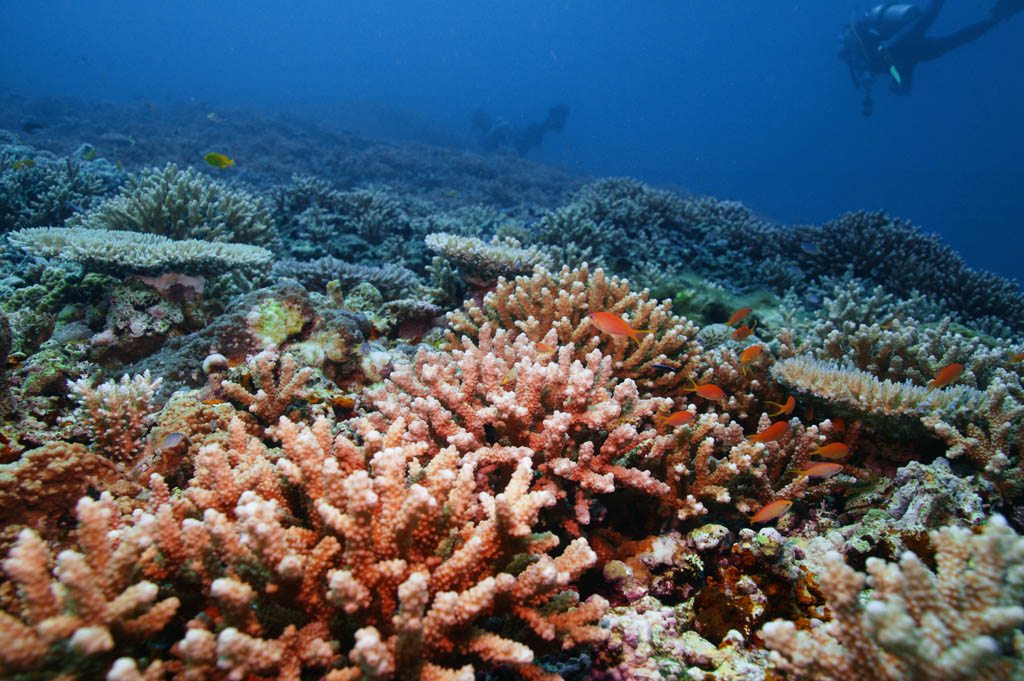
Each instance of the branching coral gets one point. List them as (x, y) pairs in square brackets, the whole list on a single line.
[(95, 601), (574, 419), (959, 622), (117, 413), (278, 383), (563, 301), (182, 204)]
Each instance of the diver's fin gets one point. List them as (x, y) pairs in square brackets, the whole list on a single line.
[(1004, 9)]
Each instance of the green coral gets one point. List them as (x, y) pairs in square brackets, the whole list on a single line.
[(275, 321)]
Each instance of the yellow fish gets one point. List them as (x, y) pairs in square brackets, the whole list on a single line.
[(24, 164), (90, 155), (218, 160)]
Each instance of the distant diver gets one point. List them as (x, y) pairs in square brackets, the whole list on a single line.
[(497, 134), (889, 39)]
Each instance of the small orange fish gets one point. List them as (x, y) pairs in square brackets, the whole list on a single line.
[(1016, 357), (214, 401), (709, 391), (543, 349), (771, 511), (739, 315), (946, 375), (771, 433), (749, 355), (822, 469), (838, 425), (833, 450), (786, 408), (615, 325), (678, 418), (744, 331), (343, 402)]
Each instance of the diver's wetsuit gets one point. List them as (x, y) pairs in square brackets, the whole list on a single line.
[(892, 35)]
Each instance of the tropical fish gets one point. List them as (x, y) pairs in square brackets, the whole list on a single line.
[(833, 450), (218, 160), (822, 469), (749, 355), (24, 164), (1016, 357), (709, 391), (838, 425), (90, 155), (742, 332), (171, 440), (771, 433), (771, 511), (615, 325), (678, 418), (946, 375), (664, 367), (739, 315), (544, 350), (786, 408), (214, 117)]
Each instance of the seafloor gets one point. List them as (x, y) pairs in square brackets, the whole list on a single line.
[(353, 409)]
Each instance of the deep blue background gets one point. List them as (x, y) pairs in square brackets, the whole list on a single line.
[(743, 100)]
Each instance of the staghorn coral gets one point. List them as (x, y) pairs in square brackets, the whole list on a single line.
[(278, 382), (959, 621), (573, 418), (182, 205), (135, 251), (116, 413), (94, 604), (564, 300)]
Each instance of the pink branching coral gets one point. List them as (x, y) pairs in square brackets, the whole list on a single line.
[(117, 413), (563, 301), (278, 383), (575, 420)]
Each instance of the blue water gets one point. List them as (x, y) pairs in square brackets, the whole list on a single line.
[(741, 100)]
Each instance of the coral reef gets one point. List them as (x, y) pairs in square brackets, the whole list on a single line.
[(957, 622), (421, 414)]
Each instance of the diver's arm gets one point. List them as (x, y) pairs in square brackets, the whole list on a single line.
[(916, 28)]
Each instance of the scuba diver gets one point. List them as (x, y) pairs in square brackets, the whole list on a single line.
[(498, 134), (889, 39)]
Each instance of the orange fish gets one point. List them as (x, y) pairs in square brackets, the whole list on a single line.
[(1017, 357), (744, 331), (946, 375), (615, 325), (786, 408), (709, 391), (839, 425), (739, 315), (822, 469), (771, 433), (771, 511), (678, 418), (749, 355), (543, 349), (833, 450)]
